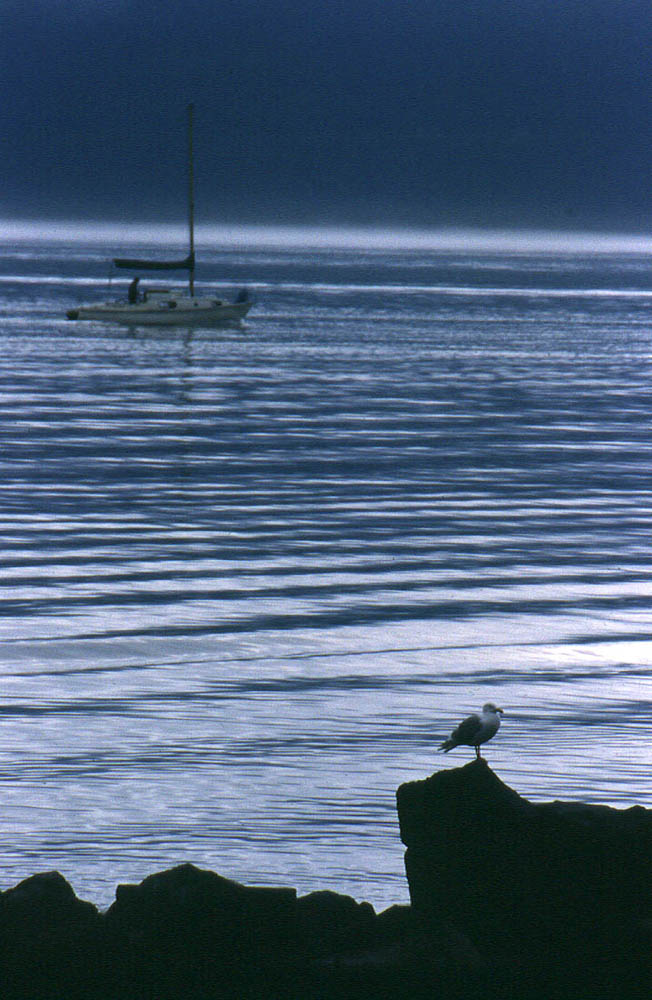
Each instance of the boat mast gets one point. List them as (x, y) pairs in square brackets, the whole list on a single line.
[(191, 204)]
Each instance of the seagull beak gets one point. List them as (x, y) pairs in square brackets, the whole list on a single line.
[(500, 710)]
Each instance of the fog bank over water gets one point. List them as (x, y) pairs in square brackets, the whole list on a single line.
[(324, 237)]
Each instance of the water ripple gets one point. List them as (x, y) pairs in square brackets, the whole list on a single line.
[(250, 579)]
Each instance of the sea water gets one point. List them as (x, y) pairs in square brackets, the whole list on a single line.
[(252, 577)]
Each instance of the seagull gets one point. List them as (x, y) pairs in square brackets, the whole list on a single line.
[(475, 730)]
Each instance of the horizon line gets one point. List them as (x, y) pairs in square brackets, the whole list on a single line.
[(329, 236)]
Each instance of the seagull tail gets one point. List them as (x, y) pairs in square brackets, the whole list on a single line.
[(447, 745)]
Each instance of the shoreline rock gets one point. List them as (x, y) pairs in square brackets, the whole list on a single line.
[(554, 895), (522, 900)]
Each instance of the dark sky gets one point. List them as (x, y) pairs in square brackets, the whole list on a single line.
[(415, 112)]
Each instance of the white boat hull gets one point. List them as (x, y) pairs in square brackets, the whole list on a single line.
[(165, 310)]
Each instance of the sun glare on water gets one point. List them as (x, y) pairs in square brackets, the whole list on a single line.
[(336, 237)]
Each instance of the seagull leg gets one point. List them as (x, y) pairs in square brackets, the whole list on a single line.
[(477, 753)]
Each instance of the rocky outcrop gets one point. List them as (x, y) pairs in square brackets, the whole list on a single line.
[(556, 897), (189, 933), (517, 900), (50, 941)]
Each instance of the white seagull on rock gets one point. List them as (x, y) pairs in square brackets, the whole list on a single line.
[(475, 730)]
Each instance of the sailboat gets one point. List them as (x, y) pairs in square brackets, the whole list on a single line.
[(165, 306)]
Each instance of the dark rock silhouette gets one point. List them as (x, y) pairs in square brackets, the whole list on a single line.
[(518, 900), (50, 941), (554, 895), (191, 930), (328, 923)]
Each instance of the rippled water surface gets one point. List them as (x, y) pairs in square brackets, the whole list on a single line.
[(251, 577)]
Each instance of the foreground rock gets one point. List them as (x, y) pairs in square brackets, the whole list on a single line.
[(194, 932), (189, 934), (555, 897), (50, 941), (509, 899)]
